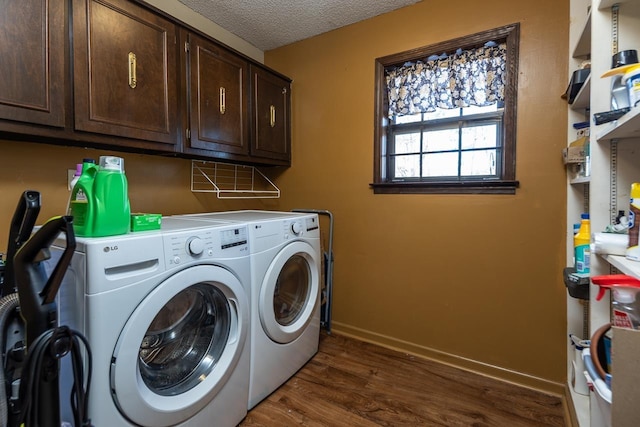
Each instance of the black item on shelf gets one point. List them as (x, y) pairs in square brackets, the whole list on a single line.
[(581, 125), (577, 286), (609, 116), (577, 80), (624, 57)]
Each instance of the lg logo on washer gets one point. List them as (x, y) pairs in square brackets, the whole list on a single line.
[(110, 248)]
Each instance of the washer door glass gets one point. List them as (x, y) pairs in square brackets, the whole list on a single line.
[(292, 290), (180, 346), (185, 340)]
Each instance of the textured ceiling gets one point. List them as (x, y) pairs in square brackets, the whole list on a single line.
[(268, 24)]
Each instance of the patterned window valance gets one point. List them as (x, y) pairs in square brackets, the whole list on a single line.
[(464, 78)]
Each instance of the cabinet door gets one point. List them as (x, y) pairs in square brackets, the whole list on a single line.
[(125, 60), (218, 98), (271, 112), (32, 55)]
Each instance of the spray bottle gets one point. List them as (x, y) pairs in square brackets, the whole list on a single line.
[(626, 312)]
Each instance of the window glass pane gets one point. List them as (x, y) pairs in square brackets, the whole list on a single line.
[(479, 110), (442, 113), (440, 164), (408, 119), (473, 146), (407, 166), (407, 143), (481, 162), (441, 140), (479, 136)]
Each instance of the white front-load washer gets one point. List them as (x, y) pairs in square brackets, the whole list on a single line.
[(166, 314), (285, 294)]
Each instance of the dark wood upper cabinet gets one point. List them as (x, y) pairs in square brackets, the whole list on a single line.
[(32, 60), (271, 109), (121, 75), (125, 73), (218, 85)]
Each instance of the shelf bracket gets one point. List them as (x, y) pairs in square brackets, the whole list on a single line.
[(614, 28)]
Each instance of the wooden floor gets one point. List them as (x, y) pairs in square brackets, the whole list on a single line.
[(353, 383)]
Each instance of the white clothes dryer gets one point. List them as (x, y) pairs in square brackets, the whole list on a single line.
[(166, 314), (285, 294)]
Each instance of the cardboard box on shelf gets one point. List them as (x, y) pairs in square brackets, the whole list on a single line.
[(625, 382), (577, 151)]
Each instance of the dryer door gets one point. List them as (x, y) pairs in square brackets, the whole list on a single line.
[(290, 291), (179, 346)]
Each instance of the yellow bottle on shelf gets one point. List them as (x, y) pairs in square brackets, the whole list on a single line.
[(633, 248), (581, 242)]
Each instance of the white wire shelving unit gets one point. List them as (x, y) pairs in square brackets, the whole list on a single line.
[(230, 181)]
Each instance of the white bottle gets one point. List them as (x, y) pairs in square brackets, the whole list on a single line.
[(72, 184)]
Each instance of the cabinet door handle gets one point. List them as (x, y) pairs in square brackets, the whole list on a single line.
[(272, 115), (223, 100), (132, 70)]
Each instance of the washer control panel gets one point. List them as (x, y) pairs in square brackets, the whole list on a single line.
[(233, 237), (205, 243)]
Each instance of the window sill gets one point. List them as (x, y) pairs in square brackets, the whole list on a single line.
[(467, 187)]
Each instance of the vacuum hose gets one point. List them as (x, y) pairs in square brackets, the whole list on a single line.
[(8, 304)]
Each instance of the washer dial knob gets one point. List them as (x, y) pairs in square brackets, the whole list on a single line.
[(195, 246), (296, 228)]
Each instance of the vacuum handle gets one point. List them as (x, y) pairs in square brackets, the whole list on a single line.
[(50, 290), (36, 293), (24, 218)]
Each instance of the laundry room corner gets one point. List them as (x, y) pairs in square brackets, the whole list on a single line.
[(284, 209), (456, 278)]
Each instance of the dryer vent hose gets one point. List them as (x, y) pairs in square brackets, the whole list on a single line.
[(8, 304)]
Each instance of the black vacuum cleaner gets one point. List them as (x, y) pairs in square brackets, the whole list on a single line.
[(30, 393)]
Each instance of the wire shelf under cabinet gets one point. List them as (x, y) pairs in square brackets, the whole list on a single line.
[(231, 181)]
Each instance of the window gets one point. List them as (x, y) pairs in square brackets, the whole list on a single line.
[(445, 122)]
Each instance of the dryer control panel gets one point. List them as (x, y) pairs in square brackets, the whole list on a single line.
[(300, 227), (269, 234)]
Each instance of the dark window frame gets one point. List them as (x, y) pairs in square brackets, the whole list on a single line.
[(507, 183)]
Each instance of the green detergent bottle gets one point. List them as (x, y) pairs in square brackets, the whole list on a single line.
[(113, 212), (81, 206), (106, 211)]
